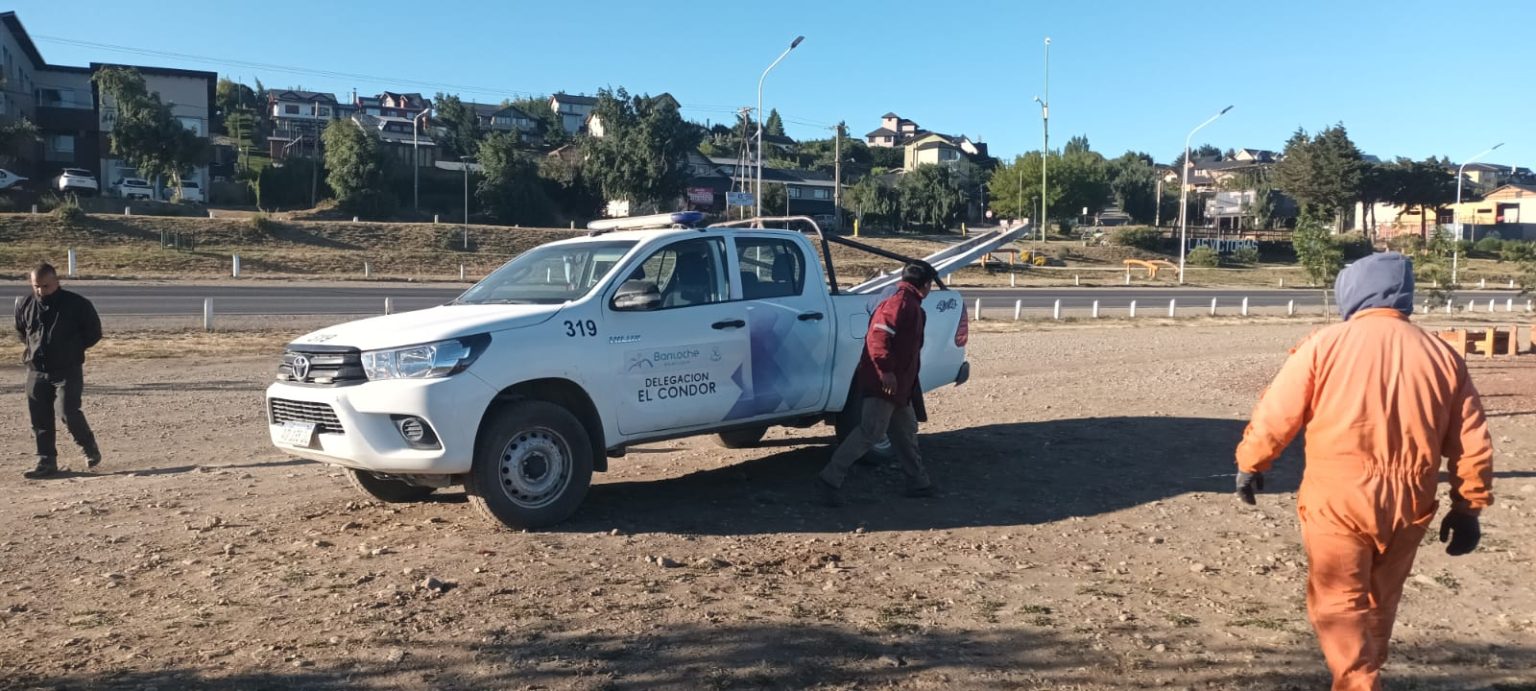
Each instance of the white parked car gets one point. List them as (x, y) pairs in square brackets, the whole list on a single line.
[(575, 350), (9, 180), (191, 191), (77, 180), (135, 188)]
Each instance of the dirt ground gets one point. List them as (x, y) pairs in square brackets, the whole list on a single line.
[(1085, 538)]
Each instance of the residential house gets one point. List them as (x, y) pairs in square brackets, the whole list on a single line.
[(807, 193), (505, 118), (894, 131), (298, 120), (395, 105), (1488, 176), (1509, 211), (401, 141), (941, 149), (573, 110), (56, 98), (1255, 156)]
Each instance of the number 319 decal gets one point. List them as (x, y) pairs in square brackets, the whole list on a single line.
[(585, 329)]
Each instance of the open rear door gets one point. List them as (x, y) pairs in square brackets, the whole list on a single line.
[(951, 258)]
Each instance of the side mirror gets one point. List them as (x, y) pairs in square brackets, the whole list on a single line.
[(637, 296)]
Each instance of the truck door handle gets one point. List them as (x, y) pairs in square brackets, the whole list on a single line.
[(729, 324), (811, 317)]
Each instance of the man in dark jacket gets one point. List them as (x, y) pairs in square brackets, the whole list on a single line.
[(57, 327), (887, 377)]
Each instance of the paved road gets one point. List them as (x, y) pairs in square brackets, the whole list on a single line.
[(299, 299)]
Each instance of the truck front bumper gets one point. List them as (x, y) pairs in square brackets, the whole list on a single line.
[(359, 426)]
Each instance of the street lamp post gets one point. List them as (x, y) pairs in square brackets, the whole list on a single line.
[(1184, 192), (1456, 251), (464, 160), (416, 160), (1045, 134), (759, 200)]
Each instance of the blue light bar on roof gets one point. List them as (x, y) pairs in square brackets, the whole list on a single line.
[(681, 218)]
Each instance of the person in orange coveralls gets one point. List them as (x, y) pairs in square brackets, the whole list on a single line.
[(1382, 401)]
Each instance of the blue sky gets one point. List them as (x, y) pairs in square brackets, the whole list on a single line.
[(1408, 77)]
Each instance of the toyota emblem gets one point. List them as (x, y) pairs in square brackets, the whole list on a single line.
[(300, 367)]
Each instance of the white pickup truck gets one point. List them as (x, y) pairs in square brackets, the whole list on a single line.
[(533, 378)]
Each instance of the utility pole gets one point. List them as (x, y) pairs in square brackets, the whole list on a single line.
[(1045, 127), (1157, 213), (837, 176)]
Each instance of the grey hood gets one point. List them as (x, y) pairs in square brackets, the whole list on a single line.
[(1384, 279)]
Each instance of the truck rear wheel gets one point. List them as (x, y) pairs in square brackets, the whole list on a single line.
[(848, 420), (532, 467), (741, 438), (387, 489)]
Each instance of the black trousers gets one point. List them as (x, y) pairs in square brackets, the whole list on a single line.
[(51, 394)]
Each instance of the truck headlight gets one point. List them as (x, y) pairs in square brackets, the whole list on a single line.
[(425, 361)]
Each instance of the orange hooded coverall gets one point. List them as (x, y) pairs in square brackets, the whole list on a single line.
[(1382, 401)]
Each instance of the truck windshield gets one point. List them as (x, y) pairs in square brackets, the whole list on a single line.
[(551, 274)]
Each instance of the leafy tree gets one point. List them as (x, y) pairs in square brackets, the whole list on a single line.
[(230, 96), (551, 128), (775, 124), (1204, 152), (643, 156), (873, 203), (1014, 188), (931, 198), (1076, 145), (1425, 185), (510, 187), (1432, 268), (1316, 249), (145, 134), (1082, 179), (14, 135), (568, 189), (460, 125), (888, 158), (819, 155), (1321, 171), (1133, 182), (358, 171)]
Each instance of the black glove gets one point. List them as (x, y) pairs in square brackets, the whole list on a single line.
[(1462, 530), (1248, 484)]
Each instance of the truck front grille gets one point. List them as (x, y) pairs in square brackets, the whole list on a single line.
[(322, 414), (323, 366)]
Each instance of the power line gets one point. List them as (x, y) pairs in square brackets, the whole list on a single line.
[(375, 79)]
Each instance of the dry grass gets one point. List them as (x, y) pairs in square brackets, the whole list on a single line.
[(191, 343)]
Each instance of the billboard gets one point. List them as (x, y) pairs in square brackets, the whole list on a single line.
[(701, 195)]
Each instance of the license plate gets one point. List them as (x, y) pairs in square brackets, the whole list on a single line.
[(297, 434)]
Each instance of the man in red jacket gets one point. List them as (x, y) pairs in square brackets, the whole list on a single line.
[(887, 376)]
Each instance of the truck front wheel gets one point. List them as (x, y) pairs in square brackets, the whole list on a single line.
[(532, 467), (387, 489)]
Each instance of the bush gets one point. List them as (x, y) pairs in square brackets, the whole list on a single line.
[(264, 224), (1517, 251), (1245, 255), (68, 211), (1354, 245), (1410, 245), (1488, 246), (1204, 256), (1140, 238)]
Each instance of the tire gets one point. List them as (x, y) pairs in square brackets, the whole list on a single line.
[(848, 420), (386, 489), (533, 465), (741, 438)]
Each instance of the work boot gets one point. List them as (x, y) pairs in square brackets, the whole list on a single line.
[(827, 495), (920, 491), (44, 469)]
